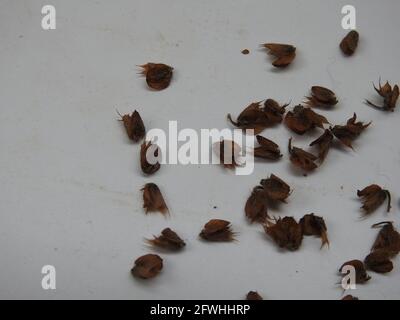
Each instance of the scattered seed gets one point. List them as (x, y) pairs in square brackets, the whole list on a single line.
[(379, 261), (285, 232), (253, 295), (275, 188), (349, 132), (302, 159), (245, 51), (147, 266), (217, 230), (167, 240), (349, 43), (361, 273), (301, 120), (267, 149), (321, 97), (313, 225), (158, 75), (256, 207), (389, 95), (284, 53), (152, 152), (153, 199), (349, 297), (372, 197), (388, 238), (134, 126)]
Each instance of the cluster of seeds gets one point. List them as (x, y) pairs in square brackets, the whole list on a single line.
[(286, 232)]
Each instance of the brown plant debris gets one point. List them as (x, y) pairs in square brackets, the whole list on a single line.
[(285, 232), (256, 207), (313, 225), (134, 126), (245, 51), (349, 132), (321, 97), (390, 96), (168, 240), (284, 53), (147, 266), (349, 297), (158, 75), (150, 154), (323, 143), (301, 120), (267, 149), (379, 261), (253, 295), (372, 197), (349, 43), (217, 230), (388, 238), (359, 268), (275, 188), (229, 153), (302, 159), (153, 200)]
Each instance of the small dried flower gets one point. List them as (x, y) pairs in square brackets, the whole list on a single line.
[(217, 230), (388, 238), (379, 261), (321, 97), (284, 53), (389, 95), (285, 232), (324, 143), (267, 149), (253, 295), (349, 43), (256, 208), (149, 155), (372, 197), (147, 266), (229, 153), (167, 240), (301, 119), (134, 126), (153, 199), (313, 225), (302, 159), (275, 188), (361, 273), (347, 133), (158, 75)]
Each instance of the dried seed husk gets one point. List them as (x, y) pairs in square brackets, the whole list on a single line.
[(349, 297), (372, 198), (347, 133), (253, 295), (217, 230), (389, 95), (147, 266), (313, 225), (168, 240), (324, 143), (285, 232), (267, 149), (388, 238), (229, 153), (134, 126), (275, 188), (256, 207), (361, 273), (349, 43), (274, 111), (149, 149), (302, 159), (158, 75), (284, 53), (379, 261), (321, 97), (301, 119), (153, 200)]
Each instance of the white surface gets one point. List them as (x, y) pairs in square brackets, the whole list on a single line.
[(70, 180)]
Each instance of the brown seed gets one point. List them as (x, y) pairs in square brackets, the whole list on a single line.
[(349, 297), (256, 207), (158, 75), (284, 53), (349, 43), (372, 197), (149, 155), (168, 240), (134, 126), (379, 261), (275, 188), (361, 272), (217, 230), (302, 159), (388, 238), (301, 119), (153, 200), (324, 143), (313, 225), (347, 133), (258, 117), (321, 97), (285, 232), (147, 266), (389, 95), (253, 295), (245, 51), (267, 149), (229, 153)]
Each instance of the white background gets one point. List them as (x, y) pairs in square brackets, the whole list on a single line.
[(70, 179)]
